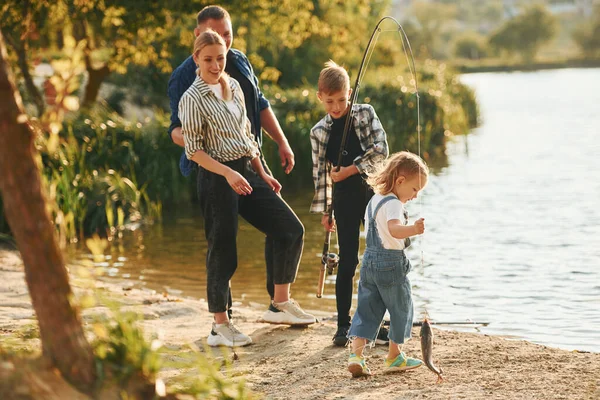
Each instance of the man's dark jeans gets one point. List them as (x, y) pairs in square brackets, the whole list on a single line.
[(349, 203), (264, 210)]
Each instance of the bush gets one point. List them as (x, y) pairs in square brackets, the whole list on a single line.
[(587, 37), (471, 46), (106, 171)]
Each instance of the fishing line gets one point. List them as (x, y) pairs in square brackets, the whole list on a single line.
[(342, 152), (407, 50), (413, 72), (410, 62)]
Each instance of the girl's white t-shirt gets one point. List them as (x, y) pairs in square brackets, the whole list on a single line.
[(393, 209), (218, 91)]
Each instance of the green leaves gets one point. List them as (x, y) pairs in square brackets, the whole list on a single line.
[(526, 33)]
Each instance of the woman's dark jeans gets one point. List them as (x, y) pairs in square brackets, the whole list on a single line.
[(264, 210), (349, 203)]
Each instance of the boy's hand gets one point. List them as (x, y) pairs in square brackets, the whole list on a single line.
[(325, 222), (419, 226), (338, 176)]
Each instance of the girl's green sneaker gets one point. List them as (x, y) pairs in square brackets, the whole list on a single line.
[(357, 366), (401, 363)]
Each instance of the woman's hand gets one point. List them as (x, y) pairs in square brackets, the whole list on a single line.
[(238, 183), (325, 222), (272, 182)]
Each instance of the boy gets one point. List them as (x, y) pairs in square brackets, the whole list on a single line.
[(365, 146)]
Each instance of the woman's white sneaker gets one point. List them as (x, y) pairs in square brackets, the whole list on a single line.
[(290, 314), (227, 335)]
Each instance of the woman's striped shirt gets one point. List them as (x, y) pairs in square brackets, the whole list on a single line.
[(207, 123)]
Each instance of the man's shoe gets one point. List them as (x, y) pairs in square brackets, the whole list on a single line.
[(382, 336), (401, 363), (290, 313), (227, 335), (341, 336), (357, 366)]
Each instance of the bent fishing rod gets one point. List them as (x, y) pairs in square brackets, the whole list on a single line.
[(330, 261)]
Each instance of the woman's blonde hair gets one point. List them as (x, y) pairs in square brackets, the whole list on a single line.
[(207, 38), (398, 164)]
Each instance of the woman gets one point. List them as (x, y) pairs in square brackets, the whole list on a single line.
[(217, 136)]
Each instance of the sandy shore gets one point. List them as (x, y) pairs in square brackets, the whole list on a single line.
[(300, 363)]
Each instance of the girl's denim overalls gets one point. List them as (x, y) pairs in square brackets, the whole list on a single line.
[(383, 285)]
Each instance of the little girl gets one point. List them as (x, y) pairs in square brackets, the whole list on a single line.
[(383, 282)]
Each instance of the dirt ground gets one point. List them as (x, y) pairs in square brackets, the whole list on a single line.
[(300, 363)]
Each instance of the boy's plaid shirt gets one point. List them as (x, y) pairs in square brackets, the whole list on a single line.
[(372, 137)]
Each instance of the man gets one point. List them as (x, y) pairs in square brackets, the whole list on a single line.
[(260, 115)]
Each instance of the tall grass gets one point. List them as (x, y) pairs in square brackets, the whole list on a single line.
[(106, 172)]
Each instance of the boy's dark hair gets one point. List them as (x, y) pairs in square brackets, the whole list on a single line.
[(212, 12)]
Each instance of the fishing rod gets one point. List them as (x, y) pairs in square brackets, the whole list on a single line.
[(420, 323), (330, 261)]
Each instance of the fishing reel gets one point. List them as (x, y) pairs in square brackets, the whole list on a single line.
[(331, 261)]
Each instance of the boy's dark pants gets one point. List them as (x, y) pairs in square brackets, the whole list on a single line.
[(264, 210), (349, 203)]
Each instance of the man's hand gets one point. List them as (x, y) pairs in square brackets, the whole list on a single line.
[(272, 182), (287, 157), (177, 137), (273, 129)]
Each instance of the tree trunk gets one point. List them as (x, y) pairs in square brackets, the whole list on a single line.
[(95, 79), (61, 332)]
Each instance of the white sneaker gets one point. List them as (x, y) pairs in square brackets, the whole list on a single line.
[(227, 335), (289, 313), (273, 315)]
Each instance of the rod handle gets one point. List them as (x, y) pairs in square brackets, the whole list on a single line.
[(321, 285)]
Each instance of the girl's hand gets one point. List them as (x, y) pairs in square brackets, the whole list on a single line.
[(325, 222), (238, 183), (419, 226), (272, 182)]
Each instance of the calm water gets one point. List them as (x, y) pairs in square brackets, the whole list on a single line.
[(513, 223)]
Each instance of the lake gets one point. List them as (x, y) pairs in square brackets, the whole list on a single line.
[(513, 223)]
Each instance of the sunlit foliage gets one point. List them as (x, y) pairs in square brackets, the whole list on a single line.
[(526, 33)]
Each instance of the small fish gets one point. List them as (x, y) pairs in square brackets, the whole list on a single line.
[(427, 349)]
